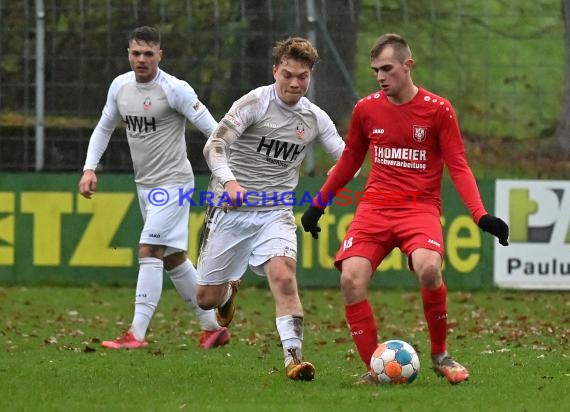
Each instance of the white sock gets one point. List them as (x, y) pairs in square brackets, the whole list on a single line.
[(183, 277), (149, 288), (290, 329)]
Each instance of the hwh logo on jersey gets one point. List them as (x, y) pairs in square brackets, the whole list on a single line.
[(140, 123), (275, 148)]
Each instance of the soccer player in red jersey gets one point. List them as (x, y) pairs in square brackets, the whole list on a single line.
[(410, 134)]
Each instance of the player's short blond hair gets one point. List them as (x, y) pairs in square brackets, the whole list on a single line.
[(297, 48), (401, 48)]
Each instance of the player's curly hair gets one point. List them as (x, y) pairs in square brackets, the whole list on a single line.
[(401, 48), (145, 34), (297, 48)]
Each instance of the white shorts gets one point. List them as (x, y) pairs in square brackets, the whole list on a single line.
[(235, 239), (165, 217)]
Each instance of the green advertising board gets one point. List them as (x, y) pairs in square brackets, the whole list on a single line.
[(51, 234)]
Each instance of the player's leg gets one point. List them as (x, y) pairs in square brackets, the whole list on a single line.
[(424, 246), (159, 230), (182, 273), (147, 295), (274, 255), (149, 287), (224, 254), (427, 265), (280, 271), (354, 280), (226, 309), (365, 244)]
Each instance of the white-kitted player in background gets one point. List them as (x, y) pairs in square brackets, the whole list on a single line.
[(154, 107)]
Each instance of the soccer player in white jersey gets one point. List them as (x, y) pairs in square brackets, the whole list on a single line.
[(255, 154), (154, 107)]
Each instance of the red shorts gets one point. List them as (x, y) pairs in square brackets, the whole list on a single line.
[(374, 233)]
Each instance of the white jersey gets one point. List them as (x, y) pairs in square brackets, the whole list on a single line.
[(154, 114), (261, 143)]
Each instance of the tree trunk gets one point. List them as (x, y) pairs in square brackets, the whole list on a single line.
[(563, 131)]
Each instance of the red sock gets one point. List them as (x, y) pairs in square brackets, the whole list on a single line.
[(435, 311), (362, 324)]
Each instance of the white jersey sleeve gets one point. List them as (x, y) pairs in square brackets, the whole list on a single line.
[(244, 112), (182, 98), (101, 135)]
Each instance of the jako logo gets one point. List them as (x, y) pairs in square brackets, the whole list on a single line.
[(433, 242)]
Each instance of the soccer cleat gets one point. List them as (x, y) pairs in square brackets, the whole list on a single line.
[(298, 370), (367, 379), (453, 371), (213, 338), (126, 341), (302, 371), (225, 313)]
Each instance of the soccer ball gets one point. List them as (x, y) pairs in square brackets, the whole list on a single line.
[(395, 361)]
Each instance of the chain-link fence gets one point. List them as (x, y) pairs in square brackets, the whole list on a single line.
[(500, 64)]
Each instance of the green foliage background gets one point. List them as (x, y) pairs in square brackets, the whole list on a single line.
[(500, 63)]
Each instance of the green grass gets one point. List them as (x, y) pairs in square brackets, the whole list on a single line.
[(515, 344)]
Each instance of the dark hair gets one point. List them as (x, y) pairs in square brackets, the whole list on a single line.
[(401, 49), (146, 34), (297, 48)]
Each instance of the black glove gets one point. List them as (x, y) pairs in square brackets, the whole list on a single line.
[(310, 219), (496, 227)]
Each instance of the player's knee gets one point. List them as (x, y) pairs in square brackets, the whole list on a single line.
[(352, 281), (285, 283), (430, 276), (205, 299), (174, 260), (355, 277)]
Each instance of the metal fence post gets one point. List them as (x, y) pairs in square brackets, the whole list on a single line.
[(40, 86)]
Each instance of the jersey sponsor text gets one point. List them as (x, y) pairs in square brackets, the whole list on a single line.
[(400, 157), (140, 123), (278, 149)]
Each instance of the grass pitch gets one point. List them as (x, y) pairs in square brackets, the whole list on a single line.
[(515, 344)]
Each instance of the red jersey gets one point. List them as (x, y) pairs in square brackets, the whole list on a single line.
[(408, 146)]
